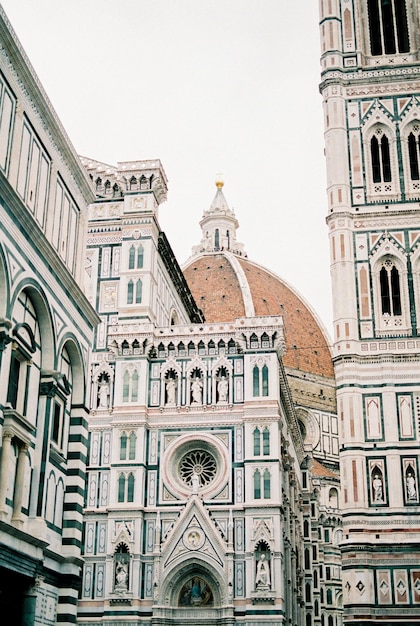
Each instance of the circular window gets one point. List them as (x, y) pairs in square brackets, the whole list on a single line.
[(199, 462), (193, 460)]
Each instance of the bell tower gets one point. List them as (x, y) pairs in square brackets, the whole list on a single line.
[(370, 63)]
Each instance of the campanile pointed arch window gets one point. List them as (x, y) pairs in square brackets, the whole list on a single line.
[(414, 152), (390, 289), (380, 156), (388, 27), (391, 293)]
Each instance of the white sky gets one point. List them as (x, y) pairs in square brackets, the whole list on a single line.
[(208, 87)]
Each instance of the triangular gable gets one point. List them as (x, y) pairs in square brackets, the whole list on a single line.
[(194, 533)]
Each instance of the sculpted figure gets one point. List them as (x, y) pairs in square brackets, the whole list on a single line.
[(170, 391), (197, 390), (262, 578), (223, 388), (378, 494)]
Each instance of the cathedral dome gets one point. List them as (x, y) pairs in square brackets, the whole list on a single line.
[(226, 285)]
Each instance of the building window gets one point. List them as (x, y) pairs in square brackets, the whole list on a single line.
[(257, 442), (130, 384), (7, 111), (262, 480), (266, 442), (121, 488), (257, 485), (256, 380), (132, 448), (139, 291), (123, 447), (380, 156), (260, 381), (216, 239), (131, 258), (135, 258), (140, 257), (389, 279), (130, 488), (130, 292), (413, 154), (388, 28), (126, 488), (267, 484), (265, 380), (66, 217), (25, 356), (56, 434)]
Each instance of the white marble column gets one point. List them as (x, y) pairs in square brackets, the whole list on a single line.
[(19, 484), (4, 471)]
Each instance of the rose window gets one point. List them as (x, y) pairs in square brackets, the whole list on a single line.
[(199, 462)]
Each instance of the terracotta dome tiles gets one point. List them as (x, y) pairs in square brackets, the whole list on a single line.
[(215, 287)]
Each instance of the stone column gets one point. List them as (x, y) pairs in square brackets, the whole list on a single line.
[(19, 484), (4, 472)]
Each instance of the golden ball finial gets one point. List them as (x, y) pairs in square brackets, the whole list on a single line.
[(219, 181)]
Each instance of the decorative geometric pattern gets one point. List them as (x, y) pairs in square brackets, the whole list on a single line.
[(199, 462)]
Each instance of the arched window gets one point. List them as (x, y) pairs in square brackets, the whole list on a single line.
[(257, 484), (216, 239), (307, 558), (265, 380), (389, 279), (132, 448), (130, 292), (131, 258), (25, 351), (306, 529), (140, 257), (130, 384), (329, 596), (257, 442), (126, 386), (139, 291), (413, 154), (134, 386), (256, 380), (307, 595), (267, 484), (308, 615), (330, 620), (130, 488), (121, 488), (123, 447), (266, 442), (388, 28), (380, 156)]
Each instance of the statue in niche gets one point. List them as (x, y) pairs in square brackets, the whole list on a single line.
[(223, 389), (121, 577), (197, 390), (410, 484), (103, 394), (170, 391), (378, 491), (262, 577)]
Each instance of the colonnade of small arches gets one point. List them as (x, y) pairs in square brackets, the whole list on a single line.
[(106, 186)]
